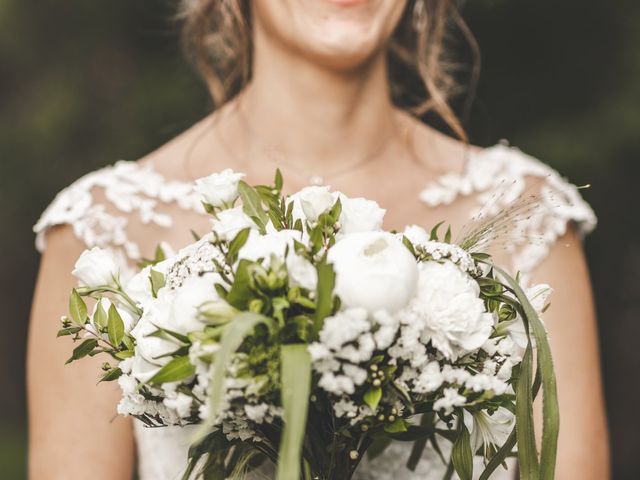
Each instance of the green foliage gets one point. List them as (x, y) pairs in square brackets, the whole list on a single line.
[(177, 369), (296, 387)]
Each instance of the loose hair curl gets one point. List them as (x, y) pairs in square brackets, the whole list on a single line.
[(217, 37)]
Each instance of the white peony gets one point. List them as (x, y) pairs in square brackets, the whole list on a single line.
[(311, 202), (229, 222), (374, 271), (97, 267), (447, 310), (360, 215), (219, 189)]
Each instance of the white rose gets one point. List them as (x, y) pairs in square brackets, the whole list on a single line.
[(448, 311), (97, 267), (360, 215), (184, 316), (219, 189), (311, 202), (229, 222), (416, 235), (152, 352), (263, 246), (374, 271)]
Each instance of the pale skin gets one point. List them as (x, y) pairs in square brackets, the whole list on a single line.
[(318, 93)]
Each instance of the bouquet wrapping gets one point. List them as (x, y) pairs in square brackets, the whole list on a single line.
[(302, 337)]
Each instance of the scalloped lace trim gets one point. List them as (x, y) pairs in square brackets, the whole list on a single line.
[(497, 177), (131, 189)]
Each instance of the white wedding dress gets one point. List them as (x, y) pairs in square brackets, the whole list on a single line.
[(127, 191)]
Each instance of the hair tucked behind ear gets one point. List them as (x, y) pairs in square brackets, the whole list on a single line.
[(217, 35)]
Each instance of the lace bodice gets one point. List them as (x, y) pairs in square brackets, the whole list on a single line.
[(100, 207)]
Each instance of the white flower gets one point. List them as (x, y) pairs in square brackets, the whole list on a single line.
[(311, 202), (416, 235), (374, 271), (263, 246), (219, 189), (97, 267), (448, 311), (487, 430), (195, 291), (228, 223), (302, 273), (387, 329), (430, 378), (256, 413), (179, 402), (450, 400), (538, 295), (360, 215)]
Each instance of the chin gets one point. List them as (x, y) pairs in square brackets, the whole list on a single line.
[(338, 33)]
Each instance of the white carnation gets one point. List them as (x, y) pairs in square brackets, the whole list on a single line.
[(448, 311), (416, 234)]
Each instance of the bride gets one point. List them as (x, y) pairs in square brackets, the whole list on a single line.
[(305, 85)]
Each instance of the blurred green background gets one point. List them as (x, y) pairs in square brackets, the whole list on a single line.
[(85, 83)]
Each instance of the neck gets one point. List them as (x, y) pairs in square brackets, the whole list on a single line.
[(316, 117)]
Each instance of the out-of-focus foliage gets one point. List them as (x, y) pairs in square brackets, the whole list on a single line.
[(83, 83)]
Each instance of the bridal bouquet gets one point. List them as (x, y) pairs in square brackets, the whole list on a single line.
[(298, 333)]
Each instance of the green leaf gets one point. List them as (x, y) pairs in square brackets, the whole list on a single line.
[(426, 421), (252, 205), (68, 331), (157, 281), (238, 242), (396, 427), (550, 409), (111, 375), (115, 326), (378, 446), (82, 350), (233, 335), (296, 386), (434, 231), (447, 236), (177, 369), (461, 455), (324, 294), (278, 180), (240, 292), (99, 317), (372, 397), (77, 308)]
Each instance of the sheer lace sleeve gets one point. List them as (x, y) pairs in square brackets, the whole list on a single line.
[(502, 176), (100, 206)]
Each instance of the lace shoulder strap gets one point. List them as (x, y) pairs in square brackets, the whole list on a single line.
[(99, 205), (501, 176)]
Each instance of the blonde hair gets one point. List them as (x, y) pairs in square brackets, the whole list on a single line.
[(217, 35)]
